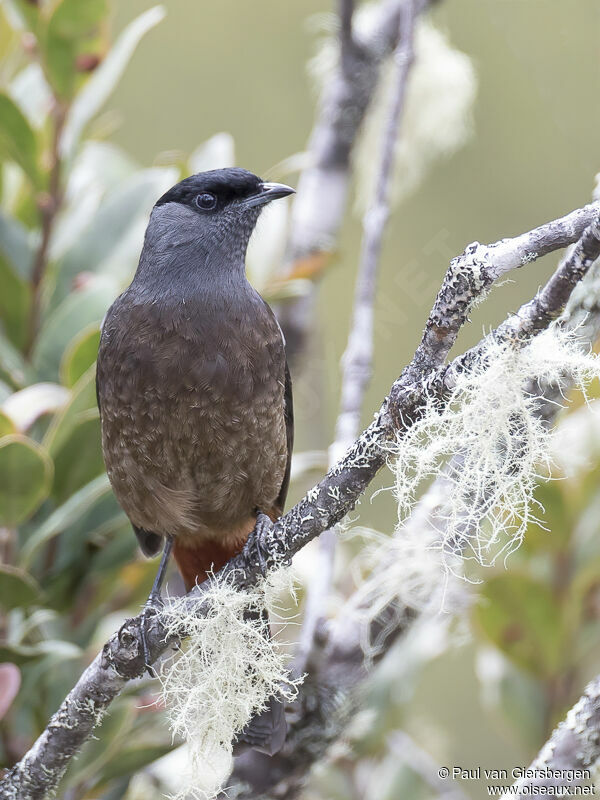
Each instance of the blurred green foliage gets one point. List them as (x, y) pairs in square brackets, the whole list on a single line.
[(74, 209)]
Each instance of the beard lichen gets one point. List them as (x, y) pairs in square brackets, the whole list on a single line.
[(492, 442), (485, 450), (226, 672)]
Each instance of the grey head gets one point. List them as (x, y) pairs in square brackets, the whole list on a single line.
[(199, 230)]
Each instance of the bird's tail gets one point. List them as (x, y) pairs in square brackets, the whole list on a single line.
[(266, 731)]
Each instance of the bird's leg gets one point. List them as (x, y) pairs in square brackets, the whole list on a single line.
[(154, 601), (256, 549), (154, 597)]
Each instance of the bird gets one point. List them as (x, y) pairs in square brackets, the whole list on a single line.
[(194, 390)]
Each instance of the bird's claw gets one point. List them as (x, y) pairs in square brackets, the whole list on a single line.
[(256, 550), (151, 609)]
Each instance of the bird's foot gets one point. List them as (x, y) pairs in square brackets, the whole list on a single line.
[(256, 549), (151, 609)]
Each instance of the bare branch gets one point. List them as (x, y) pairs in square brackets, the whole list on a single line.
[(359, 352), (471, 274), (320, 201), (36, 776), (345, 13), (357, 360)]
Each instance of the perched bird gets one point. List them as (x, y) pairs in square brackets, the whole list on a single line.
[(193, 387)]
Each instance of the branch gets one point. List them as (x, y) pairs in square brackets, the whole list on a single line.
[(359, 352), (471, 275), (328, 699), (571, 753), (321, 193), (38, 773), (358, 357), (347, 45)]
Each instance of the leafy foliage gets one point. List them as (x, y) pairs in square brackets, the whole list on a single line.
[(73, 214)]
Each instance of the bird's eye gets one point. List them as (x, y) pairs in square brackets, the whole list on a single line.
[(206, 201)]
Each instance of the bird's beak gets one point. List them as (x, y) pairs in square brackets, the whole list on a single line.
[(268, 192)]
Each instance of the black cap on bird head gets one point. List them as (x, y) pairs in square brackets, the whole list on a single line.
[(215, 190), (203, 223)]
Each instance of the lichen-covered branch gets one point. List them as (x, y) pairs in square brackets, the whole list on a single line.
[(571, 754), (328, 697), (471, 275), (37, 775)]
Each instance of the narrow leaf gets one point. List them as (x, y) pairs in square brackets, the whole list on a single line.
[(102, 83), (17, 140)]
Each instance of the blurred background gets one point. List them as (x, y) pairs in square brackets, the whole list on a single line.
[(238, 83)]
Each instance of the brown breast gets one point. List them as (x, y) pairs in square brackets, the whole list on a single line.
[(192, 407)]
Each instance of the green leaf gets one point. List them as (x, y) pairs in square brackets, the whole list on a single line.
[(522, 617), (22, 14), (98, 168), (18, 589), (14, 304), (130, 760), (26, 406), (66, 515), (108, 740), (215, 153), (30, 90), (83, 401), (12, 364), (287, 289), (25, 478), (80, 355), (16, 245), (111, 244), (17, 139), (57, 649), (72, 471), (7, 426), (78, 311), (71, 24), (99, 87)]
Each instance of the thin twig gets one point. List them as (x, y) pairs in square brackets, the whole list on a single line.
[(358, 357), (346, 13), (39, 772)]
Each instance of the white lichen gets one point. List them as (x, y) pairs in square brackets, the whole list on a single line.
[(493, 443), (224, 675), (488, 448)]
